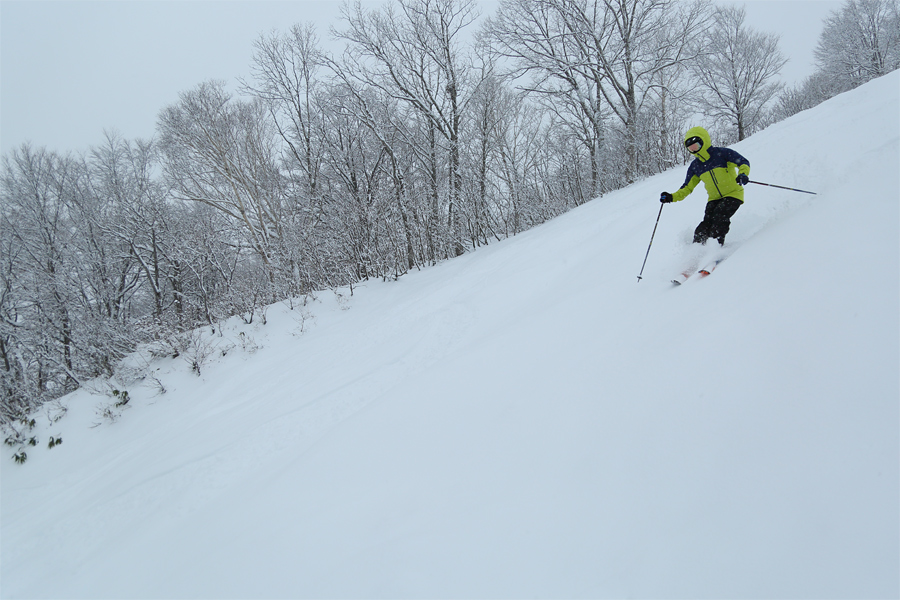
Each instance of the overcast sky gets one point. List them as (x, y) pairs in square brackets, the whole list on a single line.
[(71, 69)]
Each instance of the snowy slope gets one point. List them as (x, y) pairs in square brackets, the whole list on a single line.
[(526, 420)]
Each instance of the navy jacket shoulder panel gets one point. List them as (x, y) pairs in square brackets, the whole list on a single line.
[(727, 155), (718, 159)]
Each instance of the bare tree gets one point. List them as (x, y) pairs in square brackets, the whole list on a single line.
[(612, 48), (39, 316), (69, 289), (859, 42), (286, 77), (737, 72), (520, 150), (488, 109), (414, 55), (566, 76), (222, 152), (663, 123), (386, 123), (285, 68)]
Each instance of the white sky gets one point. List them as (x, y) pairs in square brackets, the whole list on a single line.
[(71, 69)]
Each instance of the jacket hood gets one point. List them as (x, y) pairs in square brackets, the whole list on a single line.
[(703, 154)]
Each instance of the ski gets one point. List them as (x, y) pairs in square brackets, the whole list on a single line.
[(706, 271), (683, 276)]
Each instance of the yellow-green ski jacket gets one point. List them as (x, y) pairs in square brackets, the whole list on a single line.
[(717, 168)]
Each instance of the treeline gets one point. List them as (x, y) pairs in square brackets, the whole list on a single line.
[(432, 134), (859, 42)]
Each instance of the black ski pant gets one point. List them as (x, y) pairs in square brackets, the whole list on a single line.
[(717, 220)]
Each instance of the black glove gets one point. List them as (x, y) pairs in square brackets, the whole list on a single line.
[(742, 179), (665, 197)]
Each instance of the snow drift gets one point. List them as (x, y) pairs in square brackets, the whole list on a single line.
[(526, 420)]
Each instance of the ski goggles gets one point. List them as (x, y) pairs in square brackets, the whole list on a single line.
[(692, 142)]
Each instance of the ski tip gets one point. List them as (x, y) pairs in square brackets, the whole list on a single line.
[(676, 282)]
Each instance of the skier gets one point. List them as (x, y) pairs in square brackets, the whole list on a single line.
[(723, 171)]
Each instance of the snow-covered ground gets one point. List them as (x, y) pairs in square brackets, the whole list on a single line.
[(527, 420)]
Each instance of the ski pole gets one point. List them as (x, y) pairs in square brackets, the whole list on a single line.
[(651, 242), (782, 187)]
